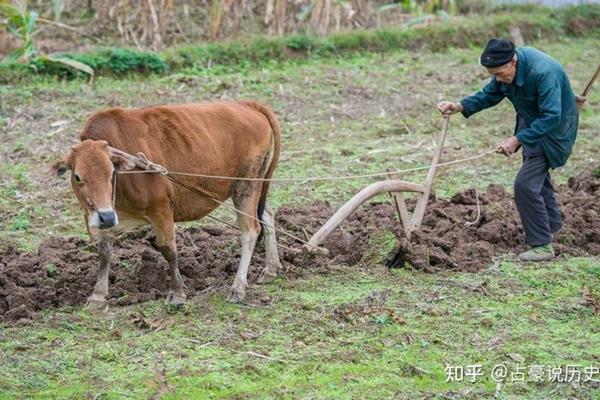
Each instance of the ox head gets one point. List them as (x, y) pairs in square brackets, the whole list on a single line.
[(92, 166)]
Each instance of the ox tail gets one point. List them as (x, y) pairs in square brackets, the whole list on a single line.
[(276, 131)]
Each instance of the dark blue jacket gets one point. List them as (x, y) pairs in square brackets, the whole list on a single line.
[(541, 95)]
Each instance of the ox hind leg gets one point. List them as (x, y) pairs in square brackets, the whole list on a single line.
[(273, 265), (97, 301), (245, 196), (164, 228)]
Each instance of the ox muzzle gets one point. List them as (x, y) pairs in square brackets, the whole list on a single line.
[(103, 218)]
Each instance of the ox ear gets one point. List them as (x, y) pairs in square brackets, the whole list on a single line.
[(121, 163), (61, 167)]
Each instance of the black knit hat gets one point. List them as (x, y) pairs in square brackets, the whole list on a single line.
[(497, 52)]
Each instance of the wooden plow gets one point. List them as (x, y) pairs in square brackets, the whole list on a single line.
[(395, 188)]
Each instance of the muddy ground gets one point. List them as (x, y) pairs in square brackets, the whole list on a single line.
[(63, 270)]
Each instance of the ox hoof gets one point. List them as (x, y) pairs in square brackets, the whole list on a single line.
[(96, 303), (267, 275), (175, 299), (236, 295)]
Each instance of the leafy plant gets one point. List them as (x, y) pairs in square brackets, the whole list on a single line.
[(422, 6), (580, 20), (51, 270), (21, 23), (382, 319), (301, 42), (120, 61), (20, 223), (58, 9)]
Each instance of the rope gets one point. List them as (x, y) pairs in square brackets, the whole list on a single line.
[(478, 217), (163, 171), (234, 226), (478, 210), (211, 197), (156, 168), (151, 166)]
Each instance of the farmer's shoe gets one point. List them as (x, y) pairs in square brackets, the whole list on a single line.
[(538, 253)]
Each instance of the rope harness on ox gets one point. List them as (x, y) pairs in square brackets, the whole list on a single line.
[(151, 167), (92, 205), (147, 166)]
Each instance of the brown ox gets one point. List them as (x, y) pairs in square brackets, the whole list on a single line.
[(223, 139)]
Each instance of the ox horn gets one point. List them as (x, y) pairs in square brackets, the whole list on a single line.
[(125, 160)]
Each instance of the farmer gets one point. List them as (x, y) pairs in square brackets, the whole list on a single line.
[(547, 120)]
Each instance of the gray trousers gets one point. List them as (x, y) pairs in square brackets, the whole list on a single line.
[(535, 200)]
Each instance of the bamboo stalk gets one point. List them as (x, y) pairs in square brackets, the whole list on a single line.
[(280, 16), (216, 17)]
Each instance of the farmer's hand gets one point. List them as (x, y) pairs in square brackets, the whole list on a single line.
[(580, 101), (509, 146), (448, 108)]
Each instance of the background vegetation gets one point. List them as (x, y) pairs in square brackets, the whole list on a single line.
[(408, 24)]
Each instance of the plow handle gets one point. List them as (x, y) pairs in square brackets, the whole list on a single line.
[(591, 82)]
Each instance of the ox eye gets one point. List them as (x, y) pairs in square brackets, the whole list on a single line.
[(78, 179)]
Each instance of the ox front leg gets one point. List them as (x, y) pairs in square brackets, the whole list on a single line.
[(273, 265), (97, 301), (164, 227)]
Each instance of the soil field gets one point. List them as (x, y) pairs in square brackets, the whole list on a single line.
[(453, 237)]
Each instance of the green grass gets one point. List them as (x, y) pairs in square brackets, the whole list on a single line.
[(308, 351), (20, 222), (353, 114)]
